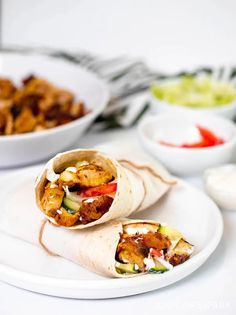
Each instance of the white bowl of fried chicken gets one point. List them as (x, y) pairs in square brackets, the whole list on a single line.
[(45, 106)]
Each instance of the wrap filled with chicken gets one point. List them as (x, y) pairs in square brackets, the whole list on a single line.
[(119, 248), (83, 188)]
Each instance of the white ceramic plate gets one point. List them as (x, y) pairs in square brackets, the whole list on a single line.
[(29, 267), (35, 146)]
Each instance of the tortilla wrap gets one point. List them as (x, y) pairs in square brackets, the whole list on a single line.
[(138, 186), (93, 248)]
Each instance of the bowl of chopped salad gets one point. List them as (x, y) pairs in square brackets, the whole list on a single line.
[(200, 93)]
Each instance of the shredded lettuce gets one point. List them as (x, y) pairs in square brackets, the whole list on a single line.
[(195, 92)]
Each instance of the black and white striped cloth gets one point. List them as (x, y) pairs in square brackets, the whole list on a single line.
[(128, 79)]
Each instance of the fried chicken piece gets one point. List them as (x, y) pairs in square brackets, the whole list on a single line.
[(68, 178), (77, 110), (93, 175), (37, 105), (65, 218), (134, 248), (180, 253), (91, 211), (7, 88), (22, 100), (25, 121), (63, 98), (52, 200), (155, 240), (2, 122), (39, 128), (55, 113), (50, 123), (5, 104), (130, 251), (46, 103), (9, 123), (86, 176), (37, 86)]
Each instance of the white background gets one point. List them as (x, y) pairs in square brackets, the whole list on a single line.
[(170, 35)]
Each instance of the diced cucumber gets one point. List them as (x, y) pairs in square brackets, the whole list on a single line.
[(172, 233), (125, 268), (71, 206), (159, 268)]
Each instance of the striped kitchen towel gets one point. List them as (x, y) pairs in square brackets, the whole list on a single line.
[(129, 80)]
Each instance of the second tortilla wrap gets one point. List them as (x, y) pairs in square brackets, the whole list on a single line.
[(94, 248)]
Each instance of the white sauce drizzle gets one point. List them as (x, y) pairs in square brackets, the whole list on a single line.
[(89, 200), (165, 263), (149, 263), (53, 177), (71, 169), (53, 185), (131, 230)]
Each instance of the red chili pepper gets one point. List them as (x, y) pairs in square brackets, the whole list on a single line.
[(99, 190), (155, 253)]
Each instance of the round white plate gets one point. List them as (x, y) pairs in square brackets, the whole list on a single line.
[(29, 267)]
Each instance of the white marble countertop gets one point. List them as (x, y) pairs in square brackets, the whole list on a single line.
[(211, 289)]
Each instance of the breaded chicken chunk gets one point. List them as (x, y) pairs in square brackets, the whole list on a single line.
[(93, 210)]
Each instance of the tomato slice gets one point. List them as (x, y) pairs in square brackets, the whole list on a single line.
[(98, 190), (155, 253), (209, 136)]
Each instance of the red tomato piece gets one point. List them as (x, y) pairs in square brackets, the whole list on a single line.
[(98, 191), (155, 253), (209, 136)]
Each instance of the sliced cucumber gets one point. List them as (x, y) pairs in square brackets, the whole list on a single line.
[(159, 268), (172, 233), (125, 268), (70, 205)]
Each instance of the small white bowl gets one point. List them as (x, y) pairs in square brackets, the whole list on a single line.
[(219, 183), (179, 128), (226, 111), (28, 148)]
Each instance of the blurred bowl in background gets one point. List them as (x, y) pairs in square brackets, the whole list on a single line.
[(28, 148), (202, 89), (180, 127), (219, 183)]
